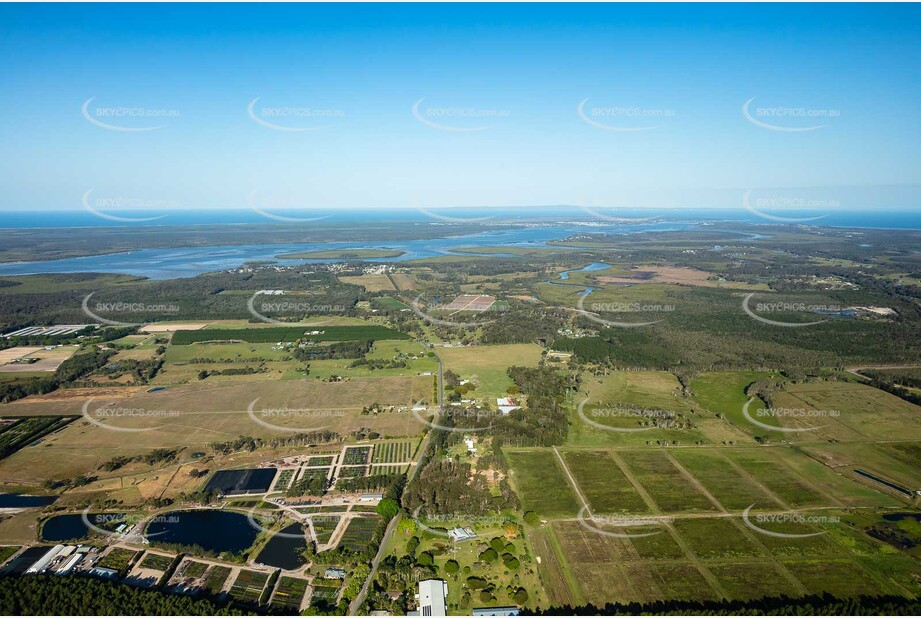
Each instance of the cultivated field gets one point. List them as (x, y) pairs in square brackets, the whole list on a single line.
[(724, 518), (371, 283), (662, 274), (48, 360), (192, 417)]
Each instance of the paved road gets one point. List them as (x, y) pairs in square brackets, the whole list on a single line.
[(363, 593)]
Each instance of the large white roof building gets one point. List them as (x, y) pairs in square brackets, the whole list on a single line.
[(431, 597)]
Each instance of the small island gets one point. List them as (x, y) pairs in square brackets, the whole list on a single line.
[(345, 254)]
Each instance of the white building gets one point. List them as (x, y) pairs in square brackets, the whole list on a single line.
[(431, 597), (506, 405), (69, 565), (42, 563)]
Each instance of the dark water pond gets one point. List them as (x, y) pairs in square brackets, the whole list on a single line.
[(213, 530), (284, 552), (64, 528), (19, 501)]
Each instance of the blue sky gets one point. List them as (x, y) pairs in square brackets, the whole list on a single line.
[(501, 87)]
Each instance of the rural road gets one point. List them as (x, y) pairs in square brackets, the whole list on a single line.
[(856, 370), (363, 593)]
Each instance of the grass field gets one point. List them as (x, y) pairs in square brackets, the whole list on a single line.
[(751, 580), (778, 478), (603, 483), (194, 416), (6, 551), (541, 484), (734, 489), (48, 360), (849, 412), (707, 551), (371, 283), (646, 389), (668, 487), (637, 401), (272, 334), (724, 393), (711, 538), (487, 365), (388, 303), (496, 573)]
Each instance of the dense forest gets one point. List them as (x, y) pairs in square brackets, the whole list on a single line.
[(544, 422), (76, 595)]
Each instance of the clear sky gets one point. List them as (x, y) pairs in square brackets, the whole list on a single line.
[(499, 122)]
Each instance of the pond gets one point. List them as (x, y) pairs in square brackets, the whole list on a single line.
[(212, 530), (283, 551), (20, 501), (64, 528)]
